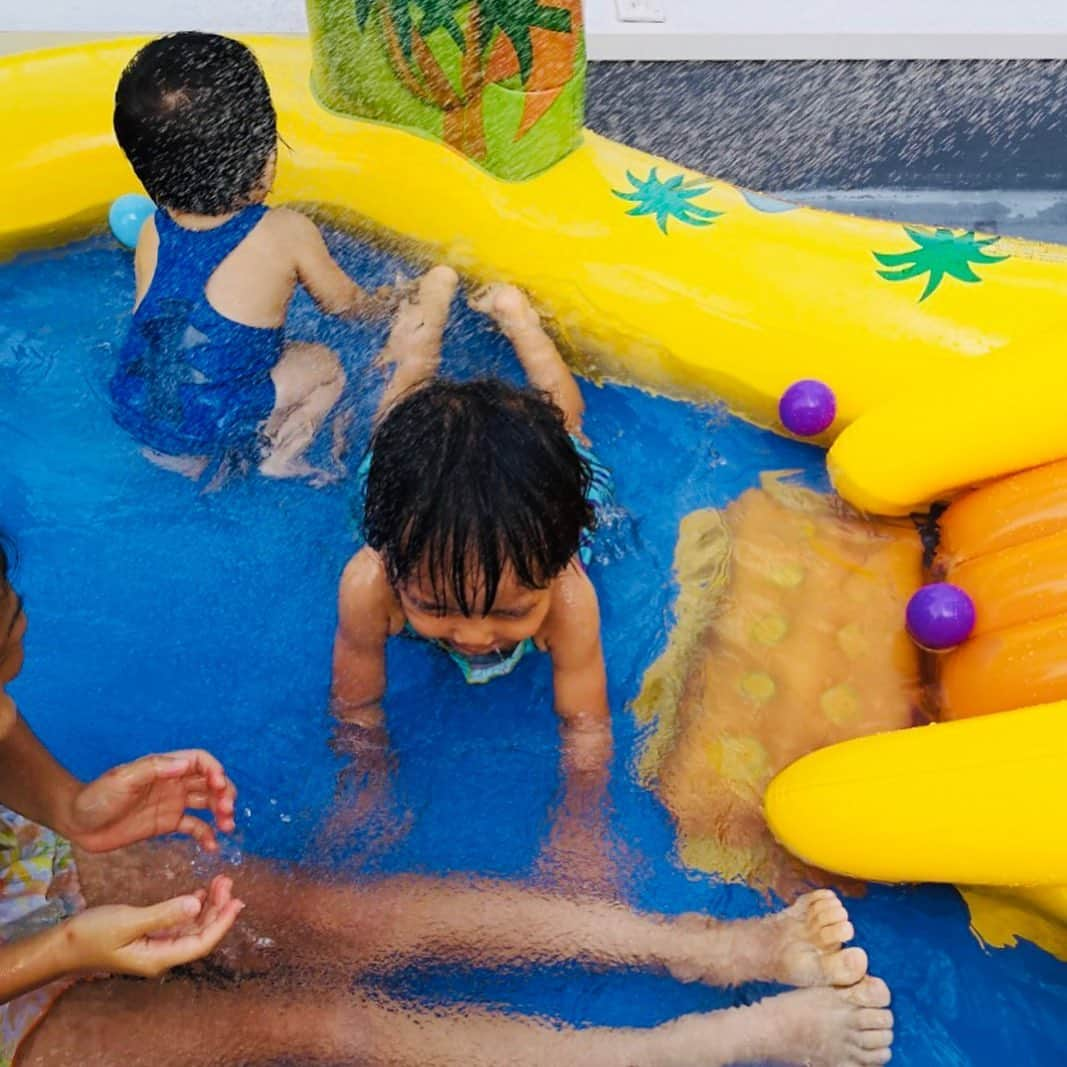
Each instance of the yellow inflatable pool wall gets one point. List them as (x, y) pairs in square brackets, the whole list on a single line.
[(737, 305), (941, 347), (978, 803)]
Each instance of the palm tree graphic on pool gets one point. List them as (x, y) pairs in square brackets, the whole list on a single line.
[(668, 199), (939, 254)]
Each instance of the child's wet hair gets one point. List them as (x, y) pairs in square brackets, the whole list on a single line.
[(468, 479), (193, 114)]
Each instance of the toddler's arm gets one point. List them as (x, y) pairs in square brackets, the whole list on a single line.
[(359, 673), (144, 259), (578, 673), (359, 646), (578, 851), (330, 287), (131, 803), (139, 800)]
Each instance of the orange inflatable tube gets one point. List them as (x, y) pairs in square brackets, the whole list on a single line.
[(1005, 513), (1005, 669), (1016, 585)]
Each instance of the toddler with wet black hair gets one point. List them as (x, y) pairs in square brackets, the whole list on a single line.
[(479, 501), (206, 370)]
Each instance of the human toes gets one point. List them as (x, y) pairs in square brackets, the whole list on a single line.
[(873, 1040), (827, 919), (846, 967), (870, 993)]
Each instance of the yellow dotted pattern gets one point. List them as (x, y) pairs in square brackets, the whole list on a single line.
[(851, 640), (788, 575), (840, 704), (757, 686), (770, 630), (739, 759)]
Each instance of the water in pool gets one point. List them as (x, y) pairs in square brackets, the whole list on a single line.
[(162, 617)]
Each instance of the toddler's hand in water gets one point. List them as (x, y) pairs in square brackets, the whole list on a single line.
[(365, 821), (150, 797), (149, 941), (382, 302)]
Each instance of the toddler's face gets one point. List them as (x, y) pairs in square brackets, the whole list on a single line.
[(516, 614)]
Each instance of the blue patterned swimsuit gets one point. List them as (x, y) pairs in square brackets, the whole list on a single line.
[(189, 380)]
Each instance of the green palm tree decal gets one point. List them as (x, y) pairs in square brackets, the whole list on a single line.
[(516, 19), (938, 254), (670, 199)]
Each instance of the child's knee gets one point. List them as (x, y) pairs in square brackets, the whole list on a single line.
[(320, 366), (334, 376)]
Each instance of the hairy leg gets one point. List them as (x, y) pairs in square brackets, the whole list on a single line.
[(144, 1024), (388, 923)]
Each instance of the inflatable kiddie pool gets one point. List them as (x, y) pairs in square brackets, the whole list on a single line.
[(463, 142)]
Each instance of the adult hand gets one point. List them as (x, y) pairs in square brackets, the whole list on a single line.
[(149, 941), (152, 796)]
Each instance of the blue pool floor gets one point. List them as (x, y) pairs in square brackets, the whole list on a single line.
[(161, 617)]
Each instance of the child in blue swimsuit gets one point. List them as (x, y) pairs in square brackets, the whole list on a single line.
[(479, 497), (206, 371)]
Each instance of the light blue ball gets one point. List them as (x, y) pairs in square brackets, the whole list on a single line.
[(128, 215)]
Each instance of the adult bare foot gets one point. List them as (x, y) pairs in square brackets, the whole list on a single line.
[(800, 946), (850, 1027)]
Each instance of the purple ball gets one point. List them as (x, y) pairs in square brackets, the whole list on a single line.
[(940, 616), (807, 408)]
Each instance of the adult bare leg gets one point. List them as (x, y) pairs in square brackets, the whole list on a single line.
[(388, 923), (181, 1024)]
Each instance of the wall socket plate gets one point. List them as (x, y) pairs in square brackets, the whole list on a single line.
[(640, 11)]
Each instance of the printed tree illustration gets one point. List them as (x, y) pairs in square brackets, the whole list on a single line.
[(666, 200), (939, 254), (500, 80)]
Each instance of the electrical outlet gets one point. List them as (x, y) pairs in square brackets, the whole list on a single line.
[(640, 11)]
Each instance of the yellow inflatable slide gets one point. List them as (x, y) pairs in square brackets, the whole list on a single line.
[(941, 349)]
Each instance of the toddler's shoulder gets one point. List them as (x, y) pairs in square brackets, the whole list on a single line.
[(574, 598), (290, 224), (364, 578)]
